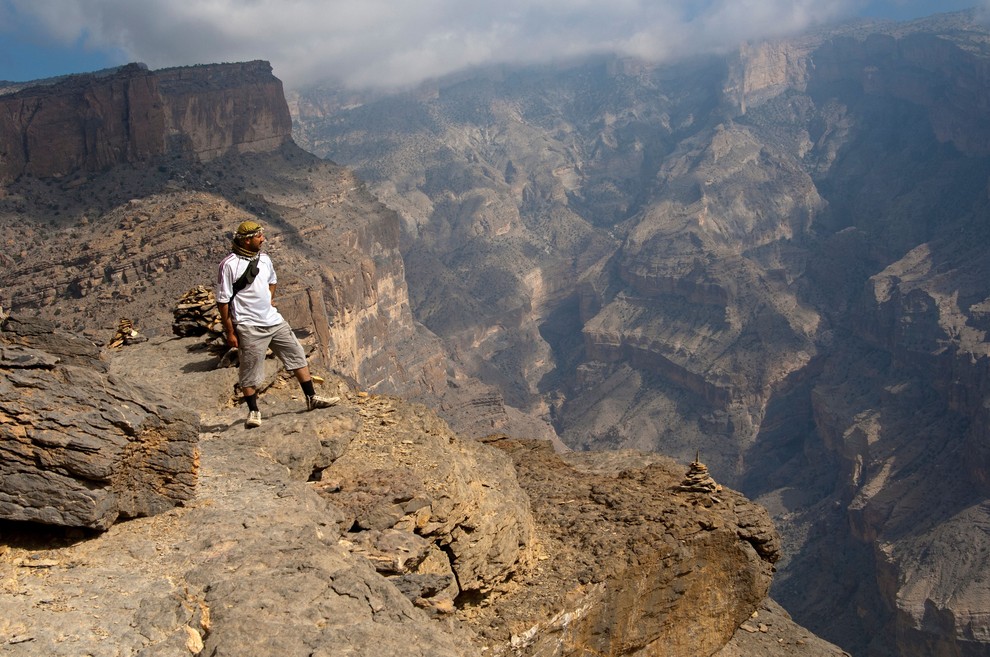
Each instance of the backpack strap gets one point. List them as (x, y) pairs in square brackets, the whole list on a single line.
[(247, 277)]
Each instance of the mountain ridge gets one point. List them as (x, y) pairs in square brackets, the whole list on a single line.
[(843, 346)]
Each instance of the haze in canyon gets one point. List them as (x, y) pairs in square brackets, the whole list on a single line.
[(138, 514), (774, 258)]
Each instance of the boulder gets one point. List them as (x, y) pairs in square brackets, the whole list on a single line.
[(631, 564), (81, 447)]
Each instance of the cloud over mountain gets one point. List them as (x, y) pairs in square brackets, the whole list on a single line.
[(390, 43)]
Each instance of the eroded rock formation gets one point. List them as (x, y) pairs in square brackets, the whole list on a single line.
[(631, 564), (154, 226), (371, 529), (81, 447), (774, 258)]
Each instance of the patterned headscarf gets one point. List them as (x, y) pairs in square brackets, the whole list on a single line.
[(244, 232)]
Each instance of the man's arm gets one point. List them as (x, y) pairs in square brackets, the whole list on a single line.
[(225, 290), (228, 325)]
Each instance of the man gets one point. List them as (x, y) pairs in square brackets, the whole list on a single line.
[(245, 289)]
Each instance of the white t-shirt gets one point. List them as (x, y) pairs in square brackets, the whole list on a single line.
[(253, 304)]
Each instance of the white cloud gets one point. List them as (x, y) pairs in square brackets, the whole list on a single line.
[(395, 42)]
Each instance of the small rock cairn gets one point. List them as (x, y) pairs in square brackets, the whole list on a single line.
[(698, 480), (196, 314), (126, 334)]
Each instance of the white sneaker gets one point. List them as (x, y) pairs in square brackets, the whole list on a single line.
[(253, 420), (316, 401)]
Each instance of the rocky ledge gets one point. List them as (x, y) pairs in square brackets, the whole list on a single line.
[(371, 529)]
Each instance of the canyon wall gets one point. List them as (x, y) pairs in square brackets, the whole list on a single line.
[(373, 527), (771, 257)]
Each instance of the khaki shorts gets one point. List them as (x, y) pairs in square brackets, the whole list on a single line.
[(254, 341)]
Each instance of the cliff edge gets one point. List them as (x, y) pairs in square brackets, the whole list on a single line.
[(371, 529), (130, 115), (94, 235)]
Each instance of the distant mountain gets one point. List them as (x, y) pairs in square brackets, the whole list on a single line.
[(776, 257)]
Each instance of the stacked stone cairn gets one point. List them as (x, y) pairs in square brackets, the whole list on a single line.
[(126, 334), (698, 480), (196, 314)]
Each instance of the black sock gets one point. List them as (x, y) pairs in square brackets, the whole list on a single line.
[(252, 401), (307, 387)]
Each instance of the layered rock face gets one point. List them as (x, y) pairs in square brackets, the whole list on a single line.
[(624, 277), (773, 257), (214, 110), (902, 408), (129, 115), (368, 529), (707, 302)]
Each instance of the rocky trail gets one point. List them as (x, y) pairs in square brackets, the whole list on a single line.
[(258, 536)]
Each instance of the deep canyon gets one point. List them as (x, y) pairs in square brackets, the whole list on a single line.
[(775, 259)]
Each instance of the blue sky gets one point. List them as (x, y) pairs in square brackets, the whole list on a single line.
[(396, 42)]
